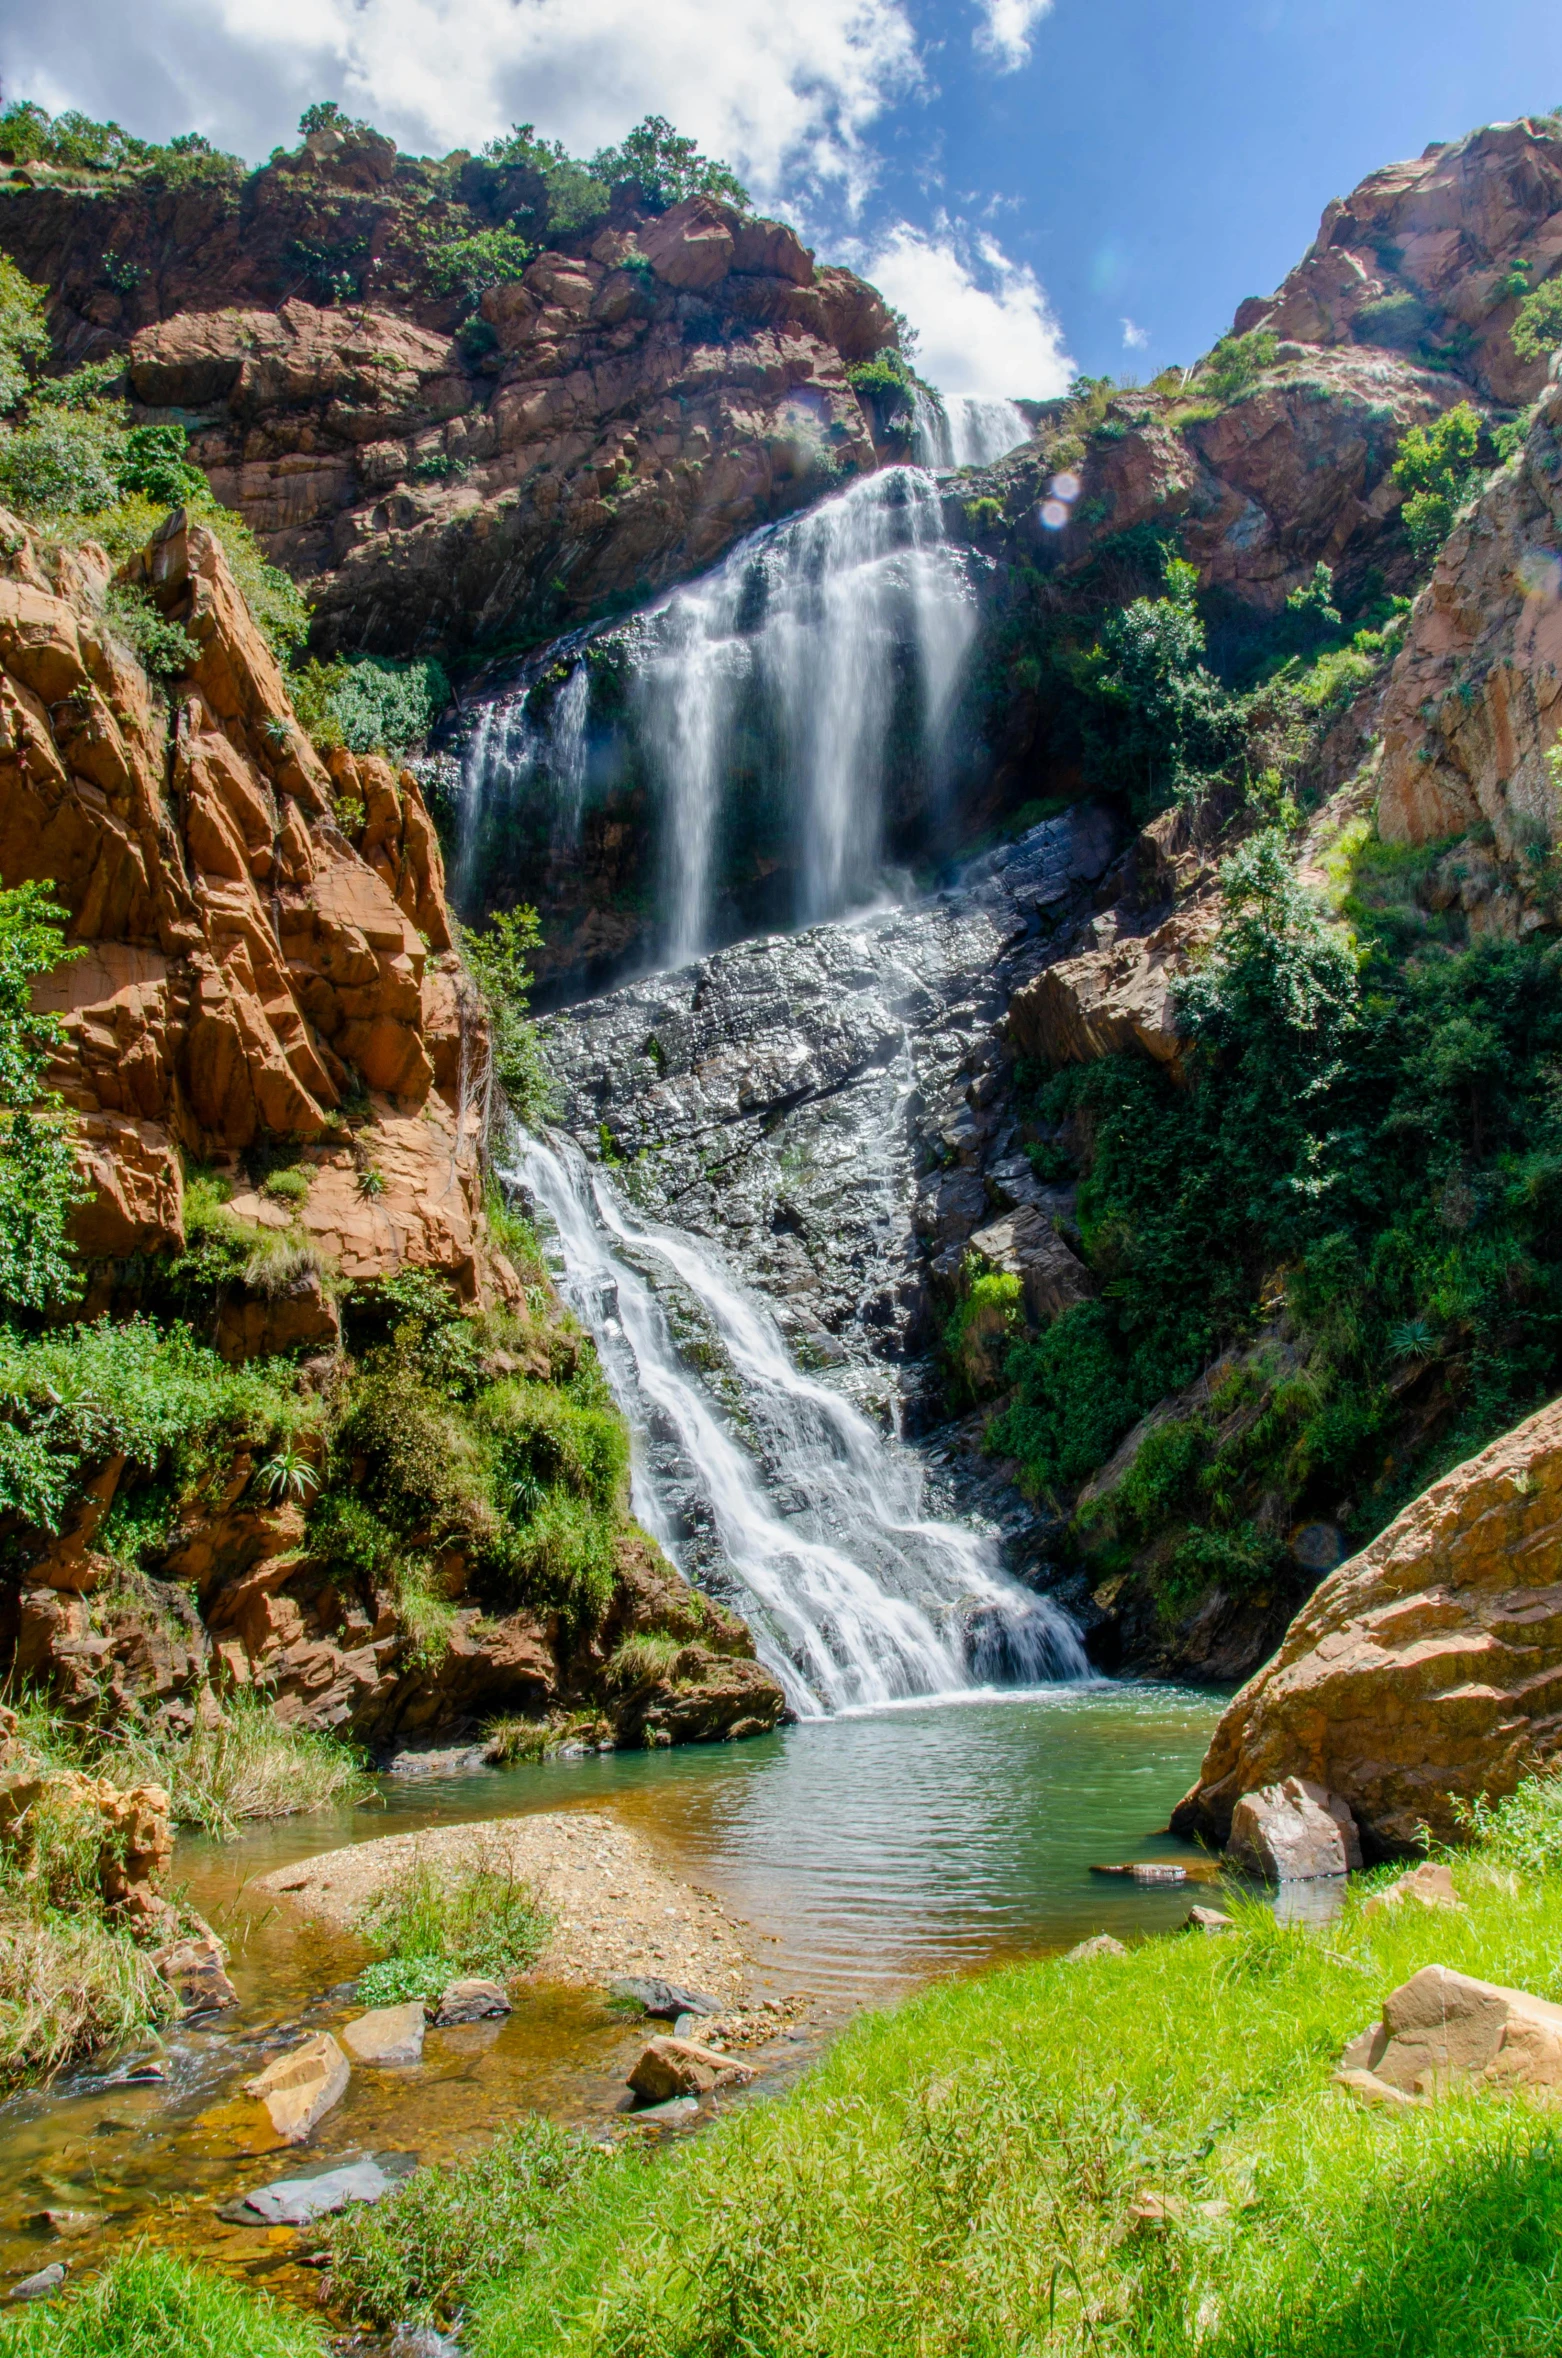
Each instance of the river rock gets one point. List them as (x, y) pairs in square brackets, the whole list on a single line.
[(196, 1970), (1430, 1883), (301, 2087), (68, 2225), (38, 2288), (296, 2202), (663, 1999), (1441, 2026), (1100, 1944), (681, 2067), (1422, 1672), (387, 2034), (1147, 1871), (472, 2000), (1209, 1920), (1294, 1832)]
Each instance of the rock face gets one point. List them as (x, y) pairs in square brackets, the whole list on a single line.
[(607, 421), (130, 1826), (1116, 994), (1420, 256), (1424, 1671), (1295, 1832), (1442, 2027), (1475, 702)]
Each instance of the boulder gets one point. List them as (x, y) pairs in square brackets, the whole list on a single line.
[(472, 2000), (196, 1971), (1115, 996), (300, 2087), (1440, 2026), (1209, 1920), (1426, 1670), (663, 1999), (297, 2202), (1024, 1244), (1293, 1832), (1100, 1944), (1430, 1884), (682, 2067), (387, 2034)]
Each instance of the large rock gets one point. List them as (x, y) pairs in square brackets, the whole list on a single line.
[(682, 2067), (1426, 1670), (301, 2087), (387, 2034), (1441, 2027), (195, 1969), (1293, 1833), (1118, 995), (1024, 1244)]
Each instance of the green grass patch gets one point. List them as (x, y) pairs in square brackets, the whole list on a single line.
[(148, 2304), (437, 1924), (961, 2176)]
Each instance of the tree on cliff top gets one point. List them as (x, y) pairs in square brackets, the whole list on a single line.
[(667, 168)]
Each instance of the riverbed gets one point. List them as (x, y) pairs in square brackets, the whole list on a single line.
[(859, 1855)]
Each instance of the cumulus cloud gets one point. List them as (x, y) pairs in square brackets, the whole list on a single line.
[(983, 321), (1004, 33), (1135, 338), (783, 93)]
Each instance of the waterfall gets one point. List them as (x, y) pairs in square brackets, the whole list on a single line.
[(964, 430), (856, 1597), (762, 708)]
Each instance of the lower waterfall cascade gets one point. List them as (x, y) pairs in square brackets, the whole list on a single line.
[(856, 1597)]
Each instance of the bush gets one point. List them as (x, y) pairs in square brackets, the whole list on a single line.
[(574, 198), (496, 959), (38, 1185), (485, 258), (1537, 331), (419, 2253), (1237, 362), (24, 328), (1156, 723), (165, 648), (666, 168), (1436, 469), (370, 705)]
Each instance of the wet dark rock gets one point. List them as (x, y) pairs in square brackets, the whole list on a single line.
[(664, 1999)]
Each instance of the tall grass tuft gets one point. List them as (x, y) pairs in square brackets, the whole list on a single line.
[(147, 2304), (436, 1924), (68, 1984)]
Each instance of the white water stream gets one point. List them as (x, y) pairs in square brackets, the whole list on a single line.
[(963, 430), (856, 1597)]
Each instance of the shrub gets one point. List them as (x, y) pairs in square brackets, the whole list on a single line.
[(1399, 320), (24, 328), (485, 258), (370, 705), (38, 1186), (165, 648), (1156, 722), (496, 959), (1537, 331), (418, 2253), (66, 462), (1436, 469), (574, 198), (1237, 362), (666, 168)]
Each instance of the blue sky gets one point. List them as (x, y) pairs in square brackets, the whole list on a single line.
[(1091, 183)]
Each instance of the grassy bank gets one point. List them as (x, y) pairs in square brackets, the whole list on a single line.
[(972, 2174)]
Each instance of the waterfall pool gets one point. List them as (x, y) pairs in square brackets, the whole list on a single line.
[(864, 1853)]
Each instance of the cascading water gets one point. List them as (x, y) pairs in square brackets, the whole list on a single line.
[(856, 1598), (762, 708), (964, 430)]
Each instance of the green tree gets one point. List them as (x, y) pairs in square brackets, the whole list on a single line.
[(1537, 331), (38, 1188), (576, 196), (497, 961), (1157, 722), (24, 332), (667, 167), (1436, 467)]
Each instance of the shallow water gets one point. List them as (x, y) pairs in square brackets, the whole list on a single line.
[(865, 1853)]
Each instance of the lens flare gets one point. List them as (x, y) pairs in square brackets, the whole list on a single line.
[(1054, 514), (1541, 575), (1064, 487)]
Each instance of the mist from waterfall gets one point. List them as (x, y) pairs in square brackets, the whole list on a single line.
[(857, 1598), (964, 430)]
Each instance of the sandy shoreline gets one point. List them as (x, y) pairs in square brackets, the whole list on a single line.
[(615, 1910)]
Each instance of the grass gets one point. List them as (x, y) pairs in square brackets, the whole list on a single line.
[(961, 2176), (68, 1985), (417, 2253), (146, 2304), (438, 1924), (248, 1764)]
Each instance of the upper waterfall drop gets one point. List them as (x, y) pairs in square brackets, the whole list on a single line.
[(856, 1597), (762, 709), (964, 430)]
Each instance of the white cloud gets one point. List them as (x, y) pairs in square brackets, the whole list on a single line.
[(1004, 33), (779, 91), (983, 321), (1135, 338)]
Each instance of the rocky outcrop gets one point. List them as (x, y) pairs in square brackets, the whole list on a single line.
[(1117, 993), (246, 968), (1425, 1672), (608, 420), (1474, 706), (127, 1826), (1421, 257)]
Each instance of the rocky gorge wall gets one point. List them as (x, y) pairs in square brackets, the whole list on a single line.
[(263, 977)]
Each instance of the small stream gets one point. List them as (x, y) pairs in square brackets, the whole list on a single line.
[(865, 1852)]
